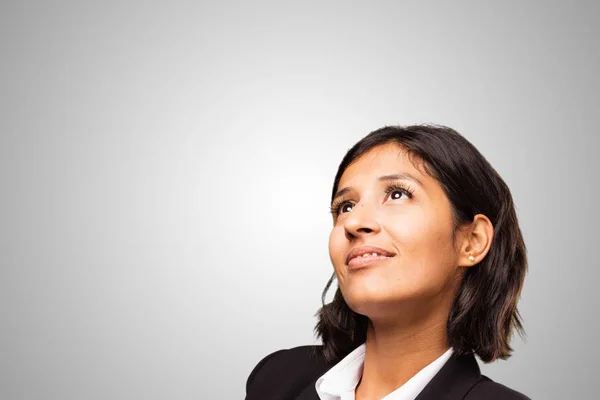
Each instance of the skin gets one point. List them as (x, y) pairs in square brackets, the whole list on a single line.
[(408, 297)]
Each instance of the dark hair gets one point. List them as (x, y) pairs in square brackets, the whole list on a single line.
[(484, 314)]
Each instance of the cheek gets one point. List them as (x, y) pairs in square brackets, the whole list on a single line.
[(425, 247), (420, 233), (336, 246)]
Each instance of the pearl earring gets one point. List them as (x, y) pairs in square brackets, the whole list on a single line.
[(471, 258)]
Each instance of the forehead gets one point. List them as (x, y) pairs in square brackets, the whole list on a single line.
[(383, 160)]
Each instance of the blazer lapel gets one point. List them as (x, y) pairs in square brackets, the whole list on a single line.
[(309, 392), (452, 382)]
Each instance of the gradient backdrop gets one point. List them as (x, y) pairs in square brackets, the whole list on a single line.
[(165, 172)]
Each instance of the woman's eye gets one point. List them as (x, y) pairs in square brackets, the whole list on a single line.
[(347, 207), (396, 194)]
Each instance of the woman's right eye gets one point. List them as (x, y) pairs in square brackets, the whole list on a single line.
[(346, 207), (341, 207)]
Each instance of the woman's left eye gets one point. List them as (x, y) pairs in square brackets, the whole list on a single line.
[(397, 194)]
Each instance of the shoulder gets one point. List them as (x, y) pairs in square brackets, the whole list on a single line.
[(487, 389), (285, 372)]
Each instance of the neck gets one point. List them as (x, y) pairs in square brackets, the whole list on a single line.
[(395, 352)]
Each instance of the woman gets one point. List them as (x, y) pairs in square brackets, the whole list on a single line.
[(430, 262)]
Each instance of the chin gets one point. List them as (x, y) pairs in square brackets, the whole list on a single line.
[(369, 302), (377, 298)]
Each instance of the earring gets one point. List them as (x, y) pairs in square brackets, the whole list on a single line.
[(471, 258)]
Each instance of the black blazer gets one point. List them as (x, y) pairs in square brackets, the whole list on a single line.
[(291, 375)]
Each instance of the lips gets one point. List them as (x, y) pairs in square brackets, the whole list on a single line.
[(362, 250)]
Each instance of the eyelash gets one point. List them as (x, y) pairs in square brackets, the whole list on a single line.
[(402, 187)]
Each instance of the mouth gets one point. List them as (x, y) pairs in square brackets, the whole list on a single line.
[(367, 255), (359, 262)]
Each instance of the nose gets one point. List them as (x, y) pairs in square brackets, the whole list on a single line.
[(362, 220)]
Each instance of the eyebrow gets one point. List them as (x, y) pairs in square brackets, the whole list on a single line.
[(393, 177)]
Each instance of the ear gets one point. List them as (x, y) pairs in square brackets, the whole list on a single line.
[(476, 241)]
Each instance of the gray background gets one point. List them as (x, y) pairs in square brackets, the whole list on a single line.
[(165, 171)]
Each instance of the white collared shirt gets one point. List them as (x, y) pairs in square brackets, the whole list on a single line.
[(339, 383)]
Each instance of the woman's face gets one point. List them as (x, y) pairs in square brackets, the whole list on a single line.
[(385, 205)]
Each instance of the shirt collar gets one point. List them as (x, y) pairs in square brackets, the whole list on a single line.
[(343, 377)]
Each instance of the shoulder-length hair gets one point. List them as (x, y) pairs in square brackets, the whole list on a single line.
[(484, 314)]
